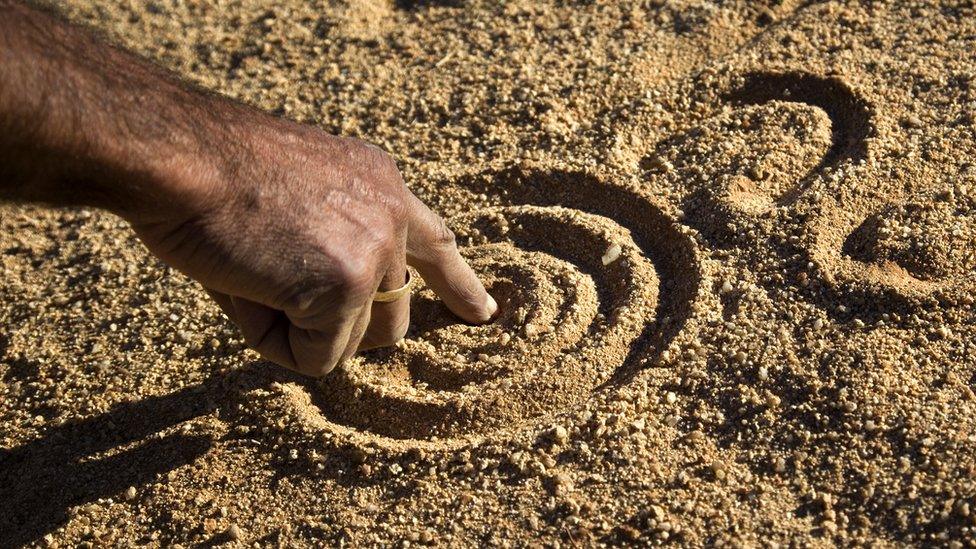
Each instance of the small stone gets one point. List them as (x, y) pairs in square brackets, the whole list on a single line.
[(962, 508), (560, 434), (234, 532), (612, 254), (718, 469), (561, 484), (779, 465), (130, 493), (726, 287), (630, 533)]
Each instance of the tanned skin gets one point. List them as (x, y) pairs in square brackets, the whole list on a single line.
[(291, 230)]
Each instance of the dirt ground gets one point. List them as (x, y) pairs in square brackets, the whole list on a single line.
[(734, 243)]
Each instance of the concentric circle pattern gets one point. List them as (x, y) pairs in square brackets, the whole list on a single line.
[(575, 294), (595, 280)]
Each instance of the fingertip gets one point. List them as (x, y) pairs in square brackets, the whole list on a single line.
[(491, 307), (477, 314)]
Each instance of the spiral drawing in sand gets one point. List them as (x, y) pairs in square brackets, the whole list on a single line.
[(592, 280), (776, 160), (896, 254)]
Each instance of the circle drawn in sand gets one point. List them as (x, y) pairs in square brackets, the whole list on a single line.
[(583, 305), (774, 138), (924, 244), (898, 254), (567, 322)]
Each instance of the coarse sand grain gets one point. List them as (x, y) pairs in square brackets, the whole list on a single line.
[(733, 243)]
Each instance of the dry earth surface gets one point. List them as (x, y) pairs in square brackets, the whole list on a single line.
[(734, 244)]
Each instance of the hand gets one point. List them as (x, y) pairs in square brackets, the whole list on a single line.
[(294, 240), (290, 229)]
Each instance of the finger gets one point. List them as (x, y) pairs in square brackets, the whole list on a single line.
[(265, 330), (223, 301), (272, 334), (389, 321), (432, 251), (317, 352), (321, 331), (357, 334)]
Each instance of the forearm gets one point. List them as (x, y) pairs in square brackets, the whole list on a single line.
[(82, 122)]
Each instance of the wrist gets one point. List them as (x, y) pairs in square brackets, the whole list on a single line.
[(179, 171)]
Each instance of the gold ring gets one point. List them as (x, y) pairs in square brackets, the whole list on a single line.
[(393, 295)]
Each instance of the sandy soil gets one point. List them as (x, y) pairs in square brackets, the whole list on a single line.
[(734, 243)]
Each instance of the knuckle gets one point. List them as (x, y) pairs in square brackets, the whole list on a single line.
[(356, 279), (383, 234), (398, 206), (373, 158), (442, 237)]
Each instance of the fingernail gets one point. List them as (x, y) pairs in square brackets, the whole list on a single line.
[(492, 306)]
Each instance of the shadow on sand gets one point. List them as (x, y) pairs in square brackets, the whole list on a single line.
[(43, 479)]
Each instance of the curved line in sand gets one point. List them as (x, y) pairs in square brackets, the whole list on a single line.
[(556, 227)]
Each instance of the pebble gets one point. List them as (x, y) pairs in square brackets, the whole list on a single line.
[(779, 465), (612, 254), (718, 469), (560, 434), (130, 493), (234, 532)]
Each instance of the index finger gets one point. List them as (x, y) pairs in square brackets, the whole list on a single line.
[(431, 250)]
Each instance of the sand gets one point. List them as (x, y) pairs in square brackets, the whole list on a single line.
[(734, 245)]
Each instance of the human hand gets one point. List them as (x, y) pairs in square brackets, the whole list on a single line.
[(290, 229), (296, 232)]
